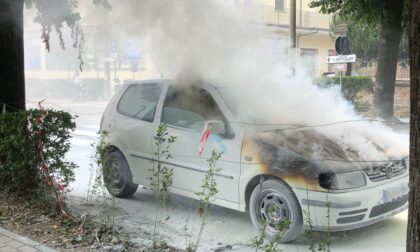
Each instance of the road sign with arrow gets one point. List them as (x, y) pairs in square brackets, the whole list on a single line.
[(341, 59)]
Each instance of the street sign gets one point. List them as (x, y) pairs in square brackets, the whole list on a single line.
[(341, 59), (341, 30), (340, 67), (342, 45)]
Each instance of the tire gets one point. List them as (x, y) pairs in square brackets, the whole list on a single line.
[(117, 176), (272, 202)]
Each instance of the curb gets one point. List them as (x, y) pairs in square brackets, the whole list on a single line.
[(26, 241)]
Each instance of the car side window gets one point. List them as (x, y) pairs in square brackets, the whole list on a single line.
[(139, 101), (190, 107)]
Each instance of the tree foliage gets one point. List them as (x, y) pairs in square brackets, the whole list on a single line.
[(353, 87), (368, 11), (364, 38), (388, 17), (53, 15), (363, 18)]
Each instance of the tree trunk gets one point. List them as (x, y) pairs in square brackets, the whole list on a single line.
[(413, 227), (390, 30), (12, 75)]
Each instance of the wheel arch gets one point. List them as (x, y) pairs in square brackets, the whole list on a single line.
[(115, 148), (255, 181)]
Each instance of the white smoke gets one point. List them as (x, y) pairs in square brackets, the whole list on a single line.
[(210, 39)]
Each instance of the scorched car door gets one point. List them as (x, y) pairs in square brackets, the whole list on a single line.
[(186, 111)]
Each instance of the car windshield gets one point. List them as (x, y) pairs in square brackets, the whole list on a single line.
[(234, 98), (230, 96)]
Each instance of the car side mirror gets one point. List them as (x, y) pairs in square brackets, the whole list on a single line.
[(217, 127)]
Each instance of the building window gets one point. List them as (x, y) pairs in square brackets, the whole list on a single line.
[(279, 5)]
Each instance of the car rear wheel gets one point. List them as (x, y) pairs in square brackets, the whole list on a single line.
[(274, 205), (117, 176)]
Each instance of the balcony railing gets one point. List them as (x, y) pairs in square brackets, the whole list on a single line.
[(304, 19)]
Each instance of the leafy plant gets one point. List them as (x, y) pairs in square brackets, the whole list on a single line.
[(101, 168), (309, 233), (260, 243), (209, 189), (325, 242), (161, 179), (352, 86), (19, 153), (364, 37)]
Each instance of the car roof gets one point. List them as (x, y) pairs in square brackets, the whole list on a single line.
[(213, 83)]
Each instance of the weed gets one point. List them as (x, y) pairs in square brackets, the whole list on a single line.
[(259, 242), (100, 168), (209, 189), (309, 233), (325, 242), (162, 176)]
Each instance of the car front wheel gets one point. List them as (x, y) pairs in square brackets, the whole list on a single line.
[(275, 210), (117, 176)]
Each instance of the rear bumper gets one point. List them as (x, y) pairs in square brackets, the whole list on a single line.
[(353, 209)]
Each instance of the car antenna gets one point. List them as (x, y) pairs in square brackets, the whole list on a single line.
[(157, 67)]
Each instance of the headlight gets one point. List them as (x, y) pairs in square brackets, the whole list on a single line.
[(340, 181)]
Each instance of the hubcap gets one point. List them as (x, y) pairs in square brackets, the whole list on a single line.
[(271, 209), (114, 176)]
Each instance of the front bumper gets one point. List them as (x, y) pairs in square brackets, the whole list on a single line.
[(353, 209)]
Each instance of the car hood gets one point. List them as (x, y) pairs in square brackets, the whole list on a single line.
[(288, 150)]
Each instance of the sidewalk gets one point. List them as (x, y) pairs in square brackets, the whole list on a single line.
[(11, 242)]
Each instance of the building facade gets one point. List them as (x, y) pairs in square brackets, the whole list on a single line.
[(108, 60)]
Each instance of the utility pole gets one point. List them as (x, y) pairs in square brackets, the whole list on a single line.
[(293, 23)]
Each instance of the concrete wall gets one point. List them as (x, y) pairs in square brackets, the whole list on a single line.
[(322, 43)]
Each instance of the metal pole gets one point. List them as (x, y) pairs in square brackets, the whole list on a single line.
[(300, 14), (293, 23), (115, 68), (292, 26), (107, 79), (341, 84)]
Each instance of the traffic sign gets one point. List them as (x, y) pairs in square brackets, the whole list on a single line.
[(340, 67), (342, 45), (341, 59), (341, 30)]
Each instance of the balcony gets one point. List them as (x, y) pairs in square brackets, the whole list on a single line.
[(304, 19)]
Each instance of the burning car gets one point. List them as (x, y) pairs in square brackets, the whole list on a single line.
[(274, 172)]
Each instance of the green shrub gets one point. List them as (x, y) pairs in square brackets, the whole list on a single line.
[(19, 155), (352, 86)]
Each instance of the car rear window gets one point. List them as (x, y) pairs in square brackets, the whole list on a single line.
[(140, 101)]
